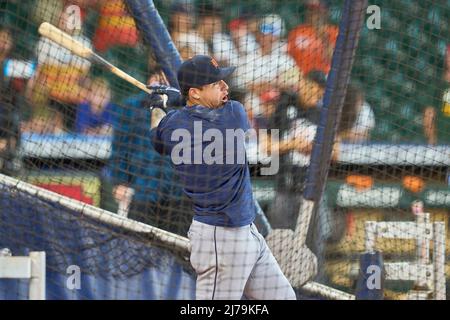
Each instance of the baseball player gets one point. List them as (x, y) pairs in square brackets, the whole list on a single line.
[(229, 255)]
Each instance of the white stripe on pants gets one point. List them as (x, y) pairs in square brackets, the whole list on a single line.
[(232, 262)]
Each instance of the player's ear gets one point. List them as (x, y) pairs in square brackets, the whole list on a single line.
[(193, 92)]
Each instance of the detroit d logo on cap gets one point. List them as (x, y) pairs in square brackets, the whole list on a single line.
[(214, 62)]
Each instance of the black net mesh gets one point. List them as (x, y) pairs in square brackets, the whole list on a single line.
[(69, 125)]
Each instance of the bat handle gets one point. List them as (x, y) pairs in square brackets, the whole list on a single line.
[(96, 58)]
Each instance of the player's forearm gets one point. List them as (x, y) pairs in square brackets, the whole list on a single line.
[(157, 116)]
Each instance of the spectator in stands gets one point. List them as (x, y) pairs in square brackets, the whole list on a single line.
[(182, 30), (311, 44), (186, 52), (49, 120), (261, 70), (50, 10), (298, 125), (365, 118), (47, 10), (95, 115), (49, 52), (139, 173), (268, 101), (310, 92), (297, 132), (307, 92), (9, 108), (219, 44), (243, 38), (59, 72), (252, 21), (436, 120)]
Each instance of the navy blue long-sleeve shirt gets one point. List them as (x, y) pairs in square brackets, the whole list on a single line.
[(220, 190)]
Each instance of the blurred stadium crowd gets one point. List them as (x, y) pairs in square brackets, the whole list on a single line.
[(283, 50)]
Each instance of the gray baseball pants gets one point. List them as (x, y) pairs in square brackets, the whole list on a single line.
[(234, 262)]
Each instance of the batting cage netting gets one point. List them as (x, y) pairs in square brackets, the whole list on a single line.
[(329, 143)]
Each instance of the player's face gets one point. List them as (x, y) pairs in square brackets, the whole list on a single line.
[(213, 95)]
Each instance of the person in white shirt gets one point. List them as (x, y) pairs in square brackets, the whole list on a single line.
[(49, 52), (218, 44), (59, 72), (207, 38), (261, 68), (242, 36), (182, 30), (365, 117), (265, 68)]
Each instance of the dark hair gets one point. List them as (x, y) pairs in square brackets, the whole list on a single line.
[(318, 77), (350, 108), (185, 91), (174, 9), (6, 29), (207, 9)]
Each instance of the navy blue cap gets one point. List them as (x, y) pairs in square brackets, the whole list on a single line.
[(201, 70)]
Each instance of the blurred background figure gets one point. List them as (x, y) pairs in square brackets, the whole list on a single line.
[(365, 118), (59, 72), (204, 37), (268, 100), (261, 70), (59, 76), (219, 44), (436, 119), (182, 28), (95, 115), (186, 52), (297, 119), (10, 107), (298, 127), (243, 38), (311, 44), (48, 120), (143, 184)]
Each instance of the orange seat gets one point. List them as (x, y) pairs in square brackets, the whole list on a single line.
[(360, 182), (115, 28), (413, 184)]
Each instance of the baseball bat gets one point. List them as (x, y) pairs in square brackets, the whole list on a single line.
[(60, 37)]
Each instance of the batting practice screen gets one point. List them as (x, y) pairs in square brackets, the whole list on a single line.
[(224, 149)]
